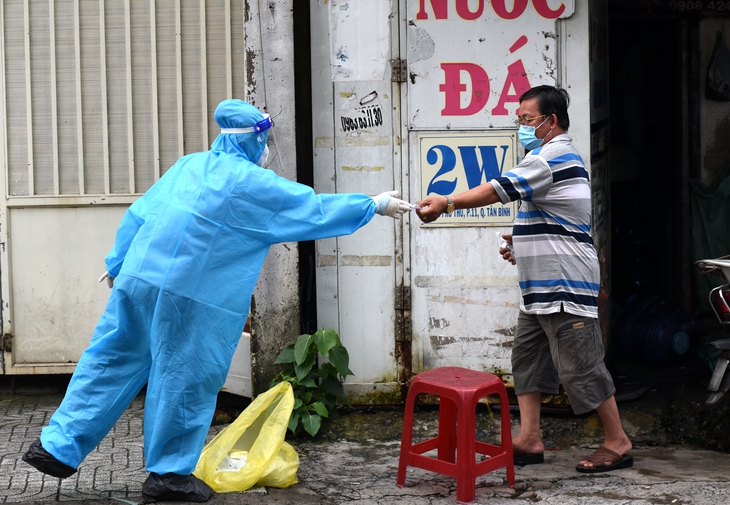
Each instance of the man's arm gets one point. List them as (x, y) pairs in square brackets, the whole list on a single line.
[(433, 206)]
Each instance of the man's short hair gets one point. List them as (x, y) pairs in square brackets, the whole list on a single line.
[(551, 100)]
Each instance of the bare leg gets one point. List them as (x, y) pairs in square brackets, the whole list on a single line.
[(614, 436), (529, 439)]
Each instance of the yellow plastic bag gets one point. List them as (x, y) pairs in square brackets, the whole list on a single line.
[(252, 450)]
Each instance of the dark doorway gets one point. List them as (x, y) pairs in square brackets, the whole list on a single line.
[(647, 154), (305, 156), (651, 137)]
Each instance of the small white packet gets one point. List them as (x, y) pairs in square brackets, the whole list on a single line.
[(503, 244)]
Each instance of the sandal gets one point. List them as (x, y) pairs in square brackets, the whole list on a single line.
[(522, 458), (605, 460)]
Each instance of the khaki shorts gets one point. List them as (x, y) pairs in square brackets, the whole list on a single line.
[(561, 348)]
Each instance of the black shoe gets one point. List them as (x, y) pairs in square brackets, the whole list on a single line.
[(174, 487), (44, 461)]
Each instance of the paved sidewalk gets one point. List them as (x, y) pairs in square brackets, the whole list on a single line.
[(356, 463)]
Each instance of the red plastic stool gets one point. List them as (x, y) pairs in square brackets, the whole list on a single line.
[(459, 390)]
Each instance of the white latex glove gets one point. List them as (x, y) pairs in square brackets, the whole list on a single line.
[(390, 206), (109, 280)]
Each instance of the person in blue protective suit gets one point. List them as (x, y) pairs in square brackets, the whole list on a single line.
[(183, 268)]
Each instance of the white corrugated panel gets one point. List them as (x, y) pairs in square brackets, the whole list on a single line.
[(101, 96), (97, 99)]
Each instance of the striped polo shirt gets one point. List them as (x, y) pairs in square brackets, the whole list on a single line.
[(556, 260)]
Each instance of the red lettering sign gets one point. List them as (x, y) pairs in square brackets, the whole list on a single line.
[(462, 9), (517, 80), (453, 87), (515, 84), (500, 9), (542, 8), (440, 9)]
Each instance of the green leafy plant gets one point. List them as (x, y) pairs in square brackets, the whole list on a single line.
[(317, 389)]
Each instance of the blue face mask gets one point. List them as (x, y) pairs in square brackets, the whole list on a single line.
[(527, 136)]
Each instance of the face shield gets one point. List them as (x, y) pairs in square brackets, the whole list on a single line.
[(259, 127), (244, 128)]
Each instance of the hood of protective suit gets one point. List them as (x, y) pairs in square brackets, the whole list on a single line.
[(236, 113)]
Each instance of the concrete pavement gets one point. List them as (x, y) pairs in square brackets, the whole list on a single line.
[(356, 458)]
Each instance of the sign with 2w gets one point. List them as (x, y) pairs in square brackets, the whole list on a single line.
[(451, 163)]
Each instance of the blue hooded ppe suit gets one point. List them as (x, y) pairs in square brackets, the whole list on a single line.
[(186, 259)]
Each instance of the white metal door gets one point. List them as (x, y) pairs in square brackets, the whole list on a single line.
[(468, 63), (97, 100), (357, 149)]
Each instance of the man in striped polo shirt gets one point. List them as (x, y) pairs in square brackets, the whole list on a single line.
[(558, 339)]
